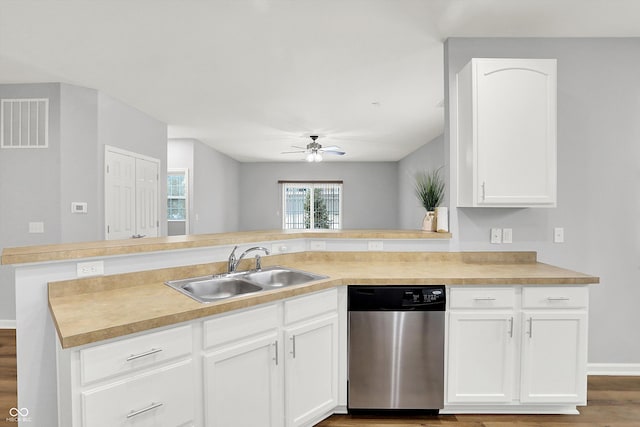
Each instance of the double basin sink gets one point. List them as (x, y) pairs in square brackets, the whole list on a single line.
[(224, 286)]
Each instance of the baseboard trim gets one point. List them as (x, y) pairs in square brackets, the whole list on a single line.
[(7, 324), (614, 369)]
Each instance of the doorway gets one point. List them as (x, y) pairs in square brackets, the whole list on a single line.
[(131, 195)]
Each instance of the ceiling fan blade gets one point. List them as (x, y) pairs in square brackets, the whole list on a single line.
[(332, 150), (294, 152)]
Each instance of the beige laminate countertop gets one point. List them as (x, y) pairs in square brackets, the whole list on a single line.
[(93, 309)]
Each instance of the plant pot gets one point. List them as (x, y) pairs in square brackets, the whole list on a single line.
[(429, 221)]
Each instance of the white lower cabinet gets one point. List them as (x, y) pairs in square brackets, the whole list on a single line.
[(554, 358), (311, 370), (481, 357), (273, 365), (524, 353), (241, 384), (280, 368)]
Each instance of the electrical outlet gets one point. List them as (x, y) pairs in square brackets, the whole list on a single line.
[(376, 245), (558, 235), (318, 245), (496, 235), (91, 268), (507, 235)]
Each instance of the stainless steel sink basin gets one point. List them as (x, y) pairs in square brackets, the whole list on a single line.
[(209, 289), (277, 277), (224, 286)]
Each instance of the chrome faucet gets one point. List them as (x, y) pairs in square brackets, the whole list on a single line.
[(233, 261)]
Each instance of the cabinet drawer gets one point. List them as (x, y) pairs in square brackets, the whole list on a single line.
[(481, 297), (555, 297), (236, 326), (134, 353), (310, 306), (164, 397)]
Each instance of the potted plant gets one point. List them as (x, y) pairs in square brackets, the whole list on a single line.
[(429, 189)]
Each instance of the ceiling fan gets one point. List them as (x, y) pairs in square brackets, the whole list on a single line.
[(315, 150)]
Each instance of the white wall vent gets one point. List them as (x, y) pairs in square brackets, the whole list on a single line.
[(25, 123)]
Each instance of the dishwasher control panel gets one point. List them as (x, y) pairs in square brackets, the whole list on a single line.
[(397, 298)]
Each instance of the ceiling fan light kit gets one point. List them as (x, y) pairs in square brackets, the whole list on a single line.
[(314, 157)]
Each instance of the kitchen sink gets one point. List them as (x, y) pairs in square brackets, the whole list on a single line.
[(216, 288), (277, 277), (210, 289)]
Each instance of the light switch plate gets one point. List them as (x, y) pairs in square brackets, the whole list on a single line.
[(36, 227), (507, 235), (79, 207)]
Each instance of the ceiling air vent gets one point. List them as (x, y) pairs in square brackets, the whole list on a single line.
[(25, 123)]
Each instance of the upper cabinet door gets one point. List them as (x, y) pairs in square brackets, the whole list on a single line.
[(507, 133)]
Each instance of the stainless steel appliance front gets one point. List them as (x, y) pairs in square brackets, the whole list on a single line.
[(396, 360)]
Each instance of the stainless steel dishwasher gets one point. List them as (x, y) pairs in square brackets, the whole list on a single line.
[(396, 347)]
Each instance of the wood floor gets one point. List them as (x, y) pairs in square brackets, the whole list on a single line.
[(8, 393), (612, 402)]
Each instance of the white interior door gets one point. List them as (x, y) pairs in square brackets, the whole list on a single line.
[(147, 174), (131, 195), (120, 197)]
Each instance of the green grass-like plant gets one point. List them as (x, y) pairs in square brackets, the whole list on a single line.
[(429, 188)]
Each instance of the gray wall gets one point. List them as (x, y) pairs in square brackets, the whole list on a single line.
[(428, 157), (598, 179), (29, 189), (370, 192), (79, 156), (40, 184), (213, 185)]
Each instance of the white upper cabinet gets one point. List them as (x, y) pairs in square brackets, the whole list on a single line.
[(507, 133)]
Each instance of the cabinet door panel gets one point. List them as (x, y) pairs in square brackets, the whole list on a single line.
[(481, 357), (554, 351), (311, 373), (241, 384)]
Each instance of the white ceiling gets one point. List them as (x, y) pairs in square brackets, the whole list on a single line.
[(253, 77)]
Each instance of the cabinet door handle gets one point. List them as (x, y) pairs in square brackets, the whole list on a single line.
[(275, 344), (483, 190), (484, 299), (293, 346), (511, 327), (531, 327), (146, 353), (558, 298), (151, 407)]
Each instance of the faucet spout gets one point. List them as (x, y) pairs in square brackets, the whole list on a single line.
[(232, 265)]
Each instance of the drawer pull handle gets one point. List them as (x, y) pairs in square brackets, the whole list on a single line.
[(558, 298), (151, 407), (484, 299), (146, 353)]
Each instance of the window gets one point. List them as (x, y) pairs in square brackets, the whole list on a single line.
[(311, 205), (177, 195)]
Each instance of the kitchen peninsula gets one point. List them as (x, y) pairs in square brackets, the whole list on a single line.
[(131, 298)]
